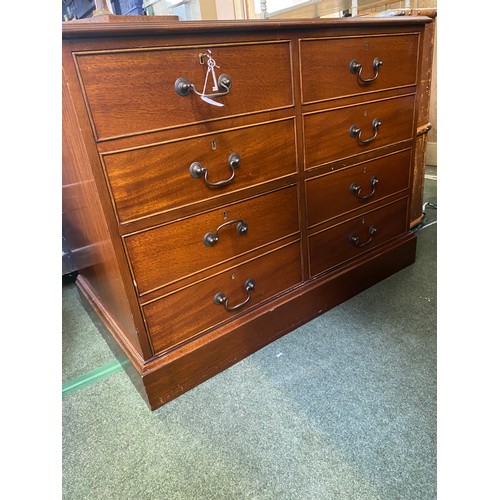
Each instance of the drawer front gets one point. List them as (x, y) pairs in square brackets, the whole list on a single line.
[(155, 179), (133, 91), (326, 65), (344, 190), (354, 237), (331, 135), (190, 311), (168, 253)]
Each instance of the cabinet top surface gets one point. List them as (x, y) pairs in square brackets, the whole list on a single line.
[(112, 26)]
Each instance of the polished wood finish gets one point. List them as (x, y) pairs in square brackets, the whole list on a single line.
[(129, 142), (424, 123), (96, 249), (330, 195), (325, 65), (195, 310), (327, 137), (229, 344), (116, 83), (162, 25), (154, 253), (151, 180), (333, 246)]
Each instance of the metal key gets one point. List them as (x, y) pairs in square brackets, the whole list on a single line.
[(211, 65)]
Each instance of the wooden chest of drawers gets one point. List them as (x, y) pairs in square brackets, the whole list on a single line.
[(234, 179)]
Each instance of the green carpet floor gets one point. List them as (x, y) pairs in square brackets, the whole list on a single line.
[(342, 408)]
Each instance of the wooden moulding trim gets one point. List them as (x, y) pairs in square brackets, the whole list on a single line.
[(300, 291), (105, 16), (416, 222), (169, 376), (119, 337), (423, 129), (161, 26), (100, 140), (133, 366), (428, 12), (226, 130)]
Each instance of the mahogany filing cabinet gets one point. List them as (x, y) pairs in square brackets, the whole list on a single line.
[(230, 181)]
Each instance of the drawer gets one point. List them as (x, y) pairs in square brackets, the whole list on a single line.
[(173, 251), (334, 134), (356, 236), (133, 91), (340, 67), (188, 312), (351, 188), (155, 179)]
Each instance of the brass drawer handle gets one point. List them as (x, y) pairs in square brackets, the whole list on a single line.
[(356, 68), (220, 86), (355, 131), (197, 170), (210, 239), (221, 299), (354, 239), (183, 86), (356, 189)]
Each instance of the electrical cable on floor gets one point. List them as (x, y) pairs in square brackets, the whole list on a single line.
[(422, 224), (427, 225), (428, 203)]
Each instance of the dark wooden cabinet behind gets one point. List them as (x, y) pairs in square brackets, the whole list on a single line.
[(232, 180)]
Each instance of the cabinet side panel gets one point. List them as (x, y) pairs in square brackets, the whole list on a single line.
[(87, 233), (423, 122)]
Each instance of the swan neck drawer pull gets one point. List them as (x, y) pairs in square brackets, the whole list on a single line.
[(354, 239), (183, 86), (197, 170), (220, 86), (355, 132), (210, 239), (356, 68), (221, 299), (356, 189)]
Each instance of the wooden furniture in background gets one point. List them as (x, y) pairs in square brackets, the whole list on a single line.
[(223, 204)]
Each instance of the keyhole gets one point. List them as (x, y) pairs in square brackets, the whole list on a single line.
[(365, 112), (366, 45), (233, 276), (224, 215), (214, 144), (364, 170)]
